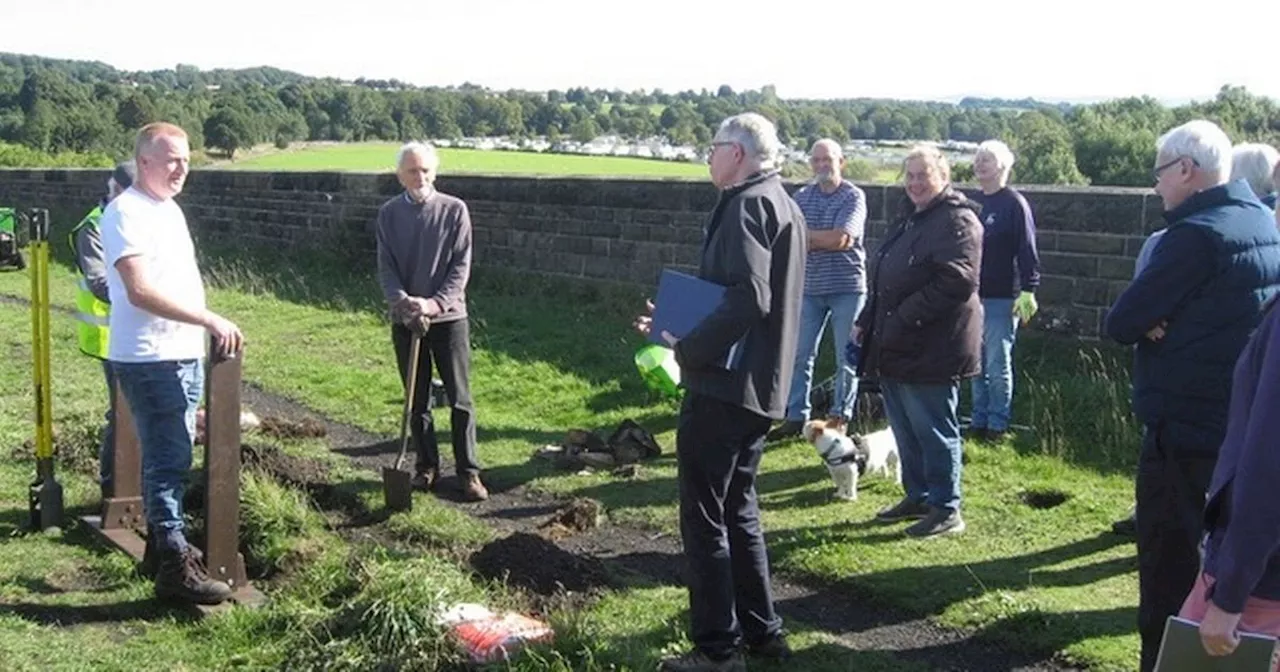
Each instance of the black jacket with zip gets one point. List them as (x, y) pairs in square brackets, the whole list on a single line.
[(923, 319), (755, 246)]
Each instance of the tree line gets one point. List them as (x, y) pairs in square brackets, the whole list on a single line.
[(59, 112)]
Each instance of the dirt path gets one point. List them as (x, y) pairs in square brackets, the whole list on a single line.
[(587, 560)]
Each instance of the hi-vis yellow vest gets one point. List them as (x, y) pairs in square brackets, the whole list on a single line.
[(90, 312)]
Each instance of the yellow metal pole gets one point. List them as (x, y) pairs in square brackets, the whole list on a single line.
[(46, 341), (45, 498), (37, 367)]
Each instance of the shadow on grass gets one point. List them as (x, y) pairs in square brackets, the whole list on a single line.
[(887, 598), (60, 615)]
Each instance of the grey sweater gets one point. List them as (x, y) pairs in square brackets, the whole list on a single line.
[(92, 261), (424, 250), (755, 246)]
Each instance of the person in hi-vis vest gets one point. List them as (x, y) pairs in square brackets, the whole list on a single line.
[(93, 305)]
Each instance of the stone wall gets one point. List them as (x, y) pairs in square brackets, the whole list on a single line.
[(604, 230)]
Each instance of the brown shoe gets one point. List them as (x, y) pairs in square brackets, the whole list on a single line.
[(425, 481), (474, 490), (150, 565), (183, 577)]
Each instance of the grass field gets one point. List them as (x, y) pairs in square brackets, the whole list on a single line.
[(1036, 578), (380, 157)]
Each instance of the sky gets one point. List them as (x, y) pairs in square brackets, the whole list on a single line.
[(1079, 51)]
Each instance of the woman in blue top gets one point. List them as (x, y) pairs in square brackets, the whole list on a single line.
[(1010, 275)]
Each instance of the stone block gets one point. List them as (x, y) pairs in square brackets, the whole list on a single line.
[(1082, 211), (1074, 265), (1115, 268), (1091, 243)]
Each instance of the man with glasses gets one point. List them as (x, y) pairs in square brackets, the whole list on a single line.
[(754, 247), (1190, 311)]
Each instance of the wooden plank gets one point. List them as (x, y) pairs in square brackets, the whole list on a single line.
[(122, 507), (222, 470)]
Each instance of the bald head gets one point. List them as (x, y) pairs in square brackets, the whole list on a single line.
[(827, 161)]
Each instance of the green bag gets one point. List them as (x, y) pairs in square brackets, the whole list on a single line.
[(658, 368), (8, 221)]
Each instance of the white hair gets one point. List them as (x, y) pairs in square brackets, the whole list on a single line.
[(998, 151), (756, 134), (1202, 142), (427, 151), (1255, 163)]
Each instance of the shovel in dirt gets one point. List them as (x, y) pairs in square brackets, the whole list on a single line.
[(397, 482)]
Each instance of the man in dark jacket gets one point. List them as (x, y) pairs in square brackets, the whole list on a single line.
[(1190, 311), (755, 247), (922, 334)]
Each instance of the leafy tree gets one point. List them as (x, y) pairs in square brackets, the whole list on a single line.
[(228, 129)]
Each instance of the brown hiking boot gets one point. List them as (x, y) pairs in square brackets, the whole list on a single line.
[(150, 564), (474, 490), (425, 481), (183, 577)]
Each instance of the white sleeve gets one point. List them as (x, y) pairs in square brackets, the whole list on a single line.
[(123, 234)]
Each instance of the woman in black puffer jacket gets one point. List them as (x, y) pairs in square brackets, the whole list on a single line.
[(921, 334)]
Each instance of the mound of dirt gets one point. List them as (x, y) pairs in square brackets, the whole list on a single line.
[(538, 565), (75, 448), (285, 428), (579, 515), (302, 472)]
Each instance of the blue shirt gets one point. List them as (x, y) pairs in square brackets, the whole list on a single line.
[(835, 271), (1010, 261)]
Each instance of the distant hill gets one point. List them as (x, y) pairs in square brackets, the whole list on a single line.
[(972, 103)]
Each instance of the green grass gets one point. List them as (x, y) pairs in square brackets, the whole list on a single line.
[(380, 157), (1045, 579)]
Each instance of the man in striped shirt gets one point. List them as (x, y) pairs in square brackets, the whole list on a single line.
[(835, 212)]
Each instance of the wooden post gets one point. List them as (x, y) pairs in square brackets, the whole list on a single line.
[(122, 507), (222, 470)]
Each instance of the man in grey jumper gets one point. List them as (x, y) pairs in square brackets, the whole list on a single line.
[(754, 246), (424, 263)]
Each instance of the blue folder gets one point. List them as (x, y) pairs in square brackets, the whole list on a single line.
[(683, 301)]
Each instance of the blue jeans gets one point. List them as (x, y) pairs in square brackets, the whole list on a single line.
[(843, 310), (163, 397), (925, 426), (107, 453), (993, 389)]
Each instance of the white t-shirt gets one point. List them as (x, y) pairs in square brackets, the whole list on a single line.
[(134, 224)]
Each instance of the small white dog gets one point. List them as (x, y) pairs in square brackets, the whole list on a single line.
[(840, 454), (878, 452)]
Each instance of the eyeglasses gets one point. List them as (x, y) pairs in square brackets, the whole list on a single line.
[(721, 143), (1163, 167)]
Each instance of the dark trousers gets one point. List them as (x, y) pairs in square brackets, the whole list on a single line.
[(448, 345), (1174, 470), (718, 448)]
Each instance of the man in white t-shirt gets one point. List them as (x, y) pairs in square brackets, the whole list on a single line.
[(157, 346)]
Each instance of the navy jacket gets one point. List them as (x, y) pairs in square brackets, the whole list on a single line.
[(1215, 267), (1010, 261), (1242, 553)]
